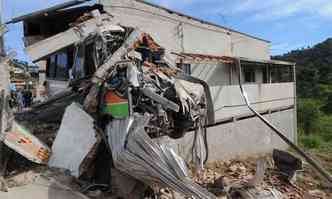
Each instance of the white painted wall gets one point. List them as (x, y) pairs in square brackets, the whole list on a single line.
[(228, 101), (181, 34), (250, 48), (242, 138), (227, 98), (205, 41)]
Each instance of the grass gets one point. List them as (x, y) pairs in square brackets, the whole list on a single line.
[(321, 137)]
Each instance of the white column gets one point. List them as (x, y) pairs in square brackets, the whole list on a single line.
[(41, 90)]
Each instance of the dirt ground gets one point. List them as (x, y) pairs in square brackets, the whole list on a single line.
[(306, 186), (220, 175)]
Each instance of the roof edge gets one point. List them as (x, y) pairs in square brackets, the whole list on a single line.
[(271, 61), (47, 10), (200, 20)]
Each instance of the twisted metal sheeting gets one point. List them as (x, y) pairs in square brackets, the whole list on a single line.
[(137, 155)]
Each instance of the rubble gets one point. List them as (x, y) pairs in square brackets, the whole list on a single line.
[(112, 117), (287, 163), (137, 155), (42, 187), (220, 179), (134, 97), (26, 144)]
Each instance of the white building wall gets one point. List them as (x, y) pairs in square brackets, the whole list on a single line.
[(227, 99), (180, 34), (229, 103), (206, 41), (241, 139), (242, 46), (245, 137)]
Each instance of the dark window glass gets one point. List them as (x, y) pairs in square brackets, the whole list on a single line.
[(62, 66), (266, 75), (58, 66), (185, 67), (51, 69), (249, 75), (281, 74), (90, 68)]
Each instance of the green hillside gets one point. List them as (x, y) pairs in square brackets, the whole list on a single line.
[(314, 91)]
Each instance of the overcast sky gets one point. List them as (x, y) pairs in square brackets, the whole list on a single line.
[(288, 24)]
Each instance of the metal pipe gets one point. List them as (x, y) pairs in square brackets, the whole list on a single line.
[(310, 160), (148, 92)]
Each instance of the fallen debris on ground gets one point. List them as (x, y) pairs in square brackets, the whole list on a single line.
[(106, 128), (110, 122)]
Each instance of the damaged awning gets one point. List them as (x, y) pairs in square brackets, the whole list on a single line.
[(195, 57), (265, 62), (192, 57)]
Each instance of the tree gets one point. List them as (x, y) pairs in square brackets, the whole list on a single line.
[(313, 67), (327, 108), (308, 115)]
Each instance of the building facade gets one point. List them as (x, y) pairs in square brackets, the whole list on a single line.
[(202, 50), (200, 45)]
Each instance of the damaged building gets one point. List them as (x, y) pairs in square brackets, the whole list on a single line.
[(137, 94), (201, 49)]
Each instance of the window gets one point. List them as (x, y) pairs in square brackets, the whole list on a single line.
[(281, 74), (62, 66), (185, 67), (266, 75), (249, 75), (58, 66), (84, 64), (51, 69)]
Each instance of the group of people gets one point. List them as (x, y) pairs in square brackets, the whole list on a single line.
[(21, 99)]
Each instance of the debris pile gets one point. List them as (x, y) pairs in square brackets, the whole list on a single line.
[(104, 136), (261, 178), (123, 97)]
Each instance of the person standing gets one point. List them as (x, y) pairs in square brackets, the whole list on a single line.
[(20, 100)]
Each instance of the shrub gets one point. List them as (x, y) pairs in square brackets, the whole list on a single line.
[(325, 128), (311, 141), (308, 115)]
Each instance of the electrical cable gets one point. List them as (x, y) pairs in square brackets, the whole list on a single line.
[(310, 160), (205, 141)]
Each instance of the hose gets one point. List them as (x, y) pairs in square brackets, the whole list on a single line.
[(201, 128), (310, 160), (206, 144)]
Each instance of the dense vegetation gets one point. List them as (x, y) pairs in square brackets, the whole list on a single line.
[(314, 91)]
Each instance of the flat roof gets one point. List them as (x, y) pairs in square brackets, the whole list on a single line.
[(199, 20), (271, 61)]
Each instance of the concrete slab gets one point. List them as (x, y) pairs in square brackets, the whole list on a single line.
[(75, 139)]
